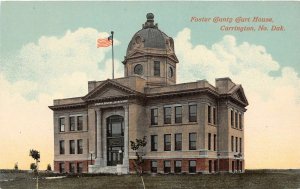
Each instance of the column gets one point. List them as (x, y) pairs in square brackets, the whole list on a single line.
[(126, 137), (99, 138), (104, 143), (67, 123)]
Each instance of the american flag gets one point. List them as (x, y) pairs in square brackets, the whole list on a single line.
[(104, 42)]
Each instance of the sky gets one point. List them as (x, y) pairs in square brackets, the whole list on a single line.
[(48, 51)]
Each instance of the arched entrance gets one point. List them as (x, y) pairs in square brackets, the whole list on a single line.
[(115, 140)]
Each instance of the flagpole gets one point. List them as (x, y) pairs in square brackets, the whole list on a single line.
[(112, 53)]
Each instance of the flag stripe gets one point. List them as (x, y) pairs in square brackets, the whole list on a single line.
[(104, 42)]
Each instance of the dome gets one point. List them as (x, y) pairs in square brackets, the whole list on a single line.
[(150, 37)]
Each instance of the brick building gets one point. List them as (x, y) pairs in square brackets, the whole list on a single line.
[(190, 127)]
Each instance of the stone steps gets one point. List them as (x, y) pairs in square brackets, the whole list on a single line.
[(108, 169)]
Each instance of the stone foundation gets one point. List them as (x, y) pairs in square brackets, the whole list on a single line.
[(202, 165)]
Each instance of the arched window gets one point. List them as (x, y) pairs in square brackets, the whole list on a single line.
[(115, 126)]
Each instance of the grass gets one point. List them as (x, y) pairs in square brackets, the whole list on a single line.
[(259, 179)]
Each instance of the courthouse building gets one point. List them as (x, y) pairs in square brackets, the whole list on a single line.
[(191, 127)]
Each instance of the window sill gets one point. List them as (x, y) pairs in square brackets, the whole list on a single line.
[(237, 129), (213, 125), (70, 154), (68, 132), (175, 124)]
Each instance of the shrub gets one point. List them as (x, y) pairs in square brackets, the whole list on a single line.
[(49, 167)]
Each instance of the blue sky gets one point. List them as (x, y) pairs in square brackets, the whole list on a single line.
[(24, 22), (48, 51)]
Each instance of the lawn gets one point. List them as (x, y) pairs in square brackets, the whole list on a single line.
[(259, 179)]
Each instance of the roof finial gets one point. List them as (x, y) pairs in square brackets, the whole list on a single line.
[(150, 17), (150, 21)]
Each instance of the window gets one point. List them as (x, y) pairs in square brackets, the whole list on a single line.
[(177, 165), (192, 141), (215, 142), (240, 145), (154, 114), (240, 121), (209, 141), (79, 167), (170, 72), (72, 123), (153, 166), (192, 166), (156, 68), (167, 115), (193, 113), (178, 114), (236, 144), (241, 166), (61, 167), (232, 166), (72, 168), (79, 123), (167, 144), (210, 166), (115, 126), (79, 146), (216, 166), (209, 114), (232, 118), (178, 142), (153, 142), (167, 166), (232, 144), (61, 147), (138, 69), (72, 146), (214, 116), (236, 120), (62, 124)]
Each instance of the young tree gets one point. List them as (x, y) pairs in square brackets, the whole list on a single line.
[(33, 167), (138, 146), (36, 156), (49, 167), (16, 167)]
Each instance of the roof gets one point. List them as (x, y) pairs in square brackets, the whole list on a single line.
[(131, 87), (150, 36)]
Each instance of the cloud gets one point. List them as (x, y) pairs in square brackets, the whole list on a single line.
[(272, 124), (53, 67), (60, 61)]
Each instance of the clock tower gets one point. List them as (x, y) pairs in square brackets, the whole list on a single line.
[(151, 55)]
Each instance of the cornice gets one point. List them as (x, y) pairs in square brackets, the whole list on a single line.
[(183, 93), (108, 82), (170, 56), (68, 106)]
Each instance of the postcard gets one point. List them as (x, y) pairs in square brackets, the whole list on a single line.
[(164, 89)]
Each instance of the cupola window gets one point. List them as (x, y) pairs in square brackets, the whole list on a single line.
[(156, 68), (138, 69)]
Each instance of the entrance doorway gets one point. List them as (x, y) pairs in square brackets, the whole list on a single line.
[(115, 140)]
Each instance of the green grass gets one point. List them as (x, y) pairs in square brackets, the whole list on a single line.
[(264, 180)]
